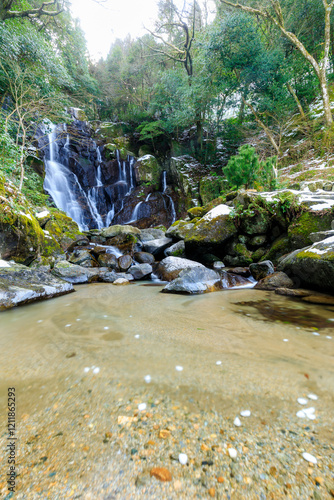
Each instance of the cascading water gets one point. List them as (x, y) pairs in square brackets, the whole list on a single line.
[(164, 189)]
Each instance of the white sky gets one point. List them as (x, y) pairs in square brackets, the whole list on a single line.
[(113, 19)]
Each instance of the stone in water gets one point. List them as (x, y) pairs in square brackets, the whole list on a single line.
[(309, 458), (86, 370), (237, 422), (183, 459), (96, 370), (179, 368), (312, 396), (232, 452), (142, 407), (218, 363), (137, 336), (302, 401), (147, 379), (245, 413), (285, 340)]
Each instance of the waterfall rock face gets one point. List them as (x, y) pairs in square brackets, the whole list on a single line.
[(95, 191)]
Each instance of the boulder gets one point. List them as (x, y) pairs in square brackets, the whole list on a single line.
[(108, 276), (309, 222), (107, 260), (261, 269), (210, 234), (157, 247), (144, 258), (62, 228), (151, 234), (121, 282), (313, 266), (170, 267), (194, 281), (83, 257), (147, 169), (111, 231), (125, 243), (275, 280), (140, 271), (82, 241), (124, 262), (176, 250), (20, 285), (321, 235), (179, 230), (75, 274)]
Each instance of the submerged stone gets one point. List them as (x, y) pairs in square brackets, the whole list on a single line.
[(193, 281), (74, 274), (170, 267), (275, 280), (262, 269)]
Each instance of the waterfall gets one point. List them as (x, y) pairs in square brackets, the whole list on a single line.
[(64, 193), (135, 213), (164, 189), (99, 171)]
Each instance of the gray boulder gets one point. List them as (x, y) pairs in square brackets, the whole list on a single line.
[(321, 235), (124, 262), (151, 234), (170, 267), (107, 260), (176, 250), (75, 274), (108, 276), (194, 281), (83, 257), (144, 258), (140, 271), (156, 247), (275, 280), (261, 269), (21, 285)]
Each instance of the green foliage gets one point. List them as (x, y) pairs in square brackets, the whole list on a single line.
[(242, 170)]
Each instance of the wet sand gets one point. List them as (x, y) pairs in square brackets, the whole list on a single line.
[(72, 442)]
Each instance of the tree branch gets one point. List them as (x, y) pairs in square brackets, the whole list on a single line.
[(32, 13)]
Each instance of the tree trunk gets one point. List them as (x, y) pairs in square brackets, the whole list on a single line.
[(297, 101), (262, 125)]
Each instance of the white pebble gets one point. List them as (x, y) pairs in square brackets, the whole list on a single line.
[(309, 411), (218, 363), (328, 337), (148, 379), (285, 340), (316, 333), (142, 407), (105, 316), (312, 396), (237, 422), (96, 370), (106, 328), (78, 319), (245, 413), (301, 414), (302, 401), (183, 459), (86, 370), (309, 458), (137, 336), (130, 316), (232, 452), (40, 321), (179, 368), (67, 326)]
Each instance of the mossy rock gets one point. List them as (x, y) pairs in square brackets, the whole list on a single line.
[(257, 222), (21, 237), (180, 229), (62, 228), (196, 212), (258, 254), (209, 236), (312, 266), (148, 170), (309, 222), (111, 130), (280, 247)]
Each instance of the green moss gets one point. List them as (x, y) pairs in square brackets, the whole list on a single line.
[(280, 247), (196, 212), (149, 170), (242, 251), (62, 228), (210, 188), (309, 222)]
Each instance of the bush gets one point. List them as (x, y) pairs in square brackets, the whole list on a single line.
[(246, 169)]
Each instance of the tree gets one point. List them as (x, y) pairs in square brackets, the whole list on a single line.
[(275, 15), (51, 9)]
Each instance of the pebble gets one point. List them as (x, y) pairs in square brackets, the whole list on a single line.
[(237, 422), (245, 413), (67, 326), (86, 370), (302, 401), (78, 319), (179, 368), (232, 452), (40, 321), (142, 407), (309, 458), (147, 379), (285, 340), (183, 459), (96, 370), (218, 363), (312, 396), (161, 473), (106, 328), (316, 333), (328, 337), (137, 336)]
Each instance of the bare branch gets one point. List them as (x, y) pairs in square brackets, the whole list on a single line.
[(38, 12)]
